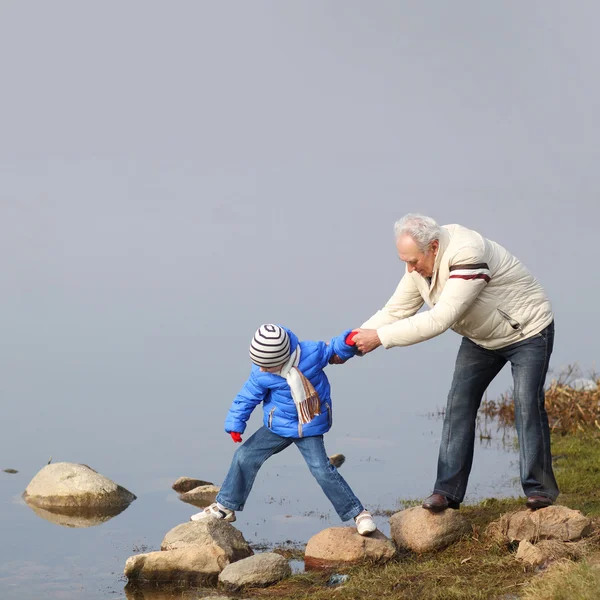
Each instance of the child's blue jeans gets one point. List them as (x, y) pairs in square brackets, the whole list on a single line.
[(253, 453)]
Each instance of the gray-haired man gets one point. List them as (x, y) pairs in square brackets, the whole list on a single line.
[(477, 288)]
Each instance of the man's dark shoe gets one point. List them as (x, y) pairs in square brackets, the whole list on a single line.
[(535, 502), (437, 503)]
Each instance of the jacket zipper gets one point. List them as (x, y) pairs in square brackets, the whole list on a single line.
[(271, 418), (329, 419), (514, 324)]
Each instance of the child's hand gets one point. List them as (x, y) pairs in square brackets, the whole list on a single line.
[(236, 437), (336, 360)]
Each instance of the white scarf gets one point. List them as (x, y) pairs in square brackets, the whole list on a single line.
[(306, 398)]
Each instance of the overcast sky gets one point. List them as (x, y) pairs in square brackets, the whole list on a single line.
[(174, 174)]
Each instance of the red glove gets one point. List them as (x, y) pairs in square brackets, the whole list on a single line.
[(236, 437), (350, 338)]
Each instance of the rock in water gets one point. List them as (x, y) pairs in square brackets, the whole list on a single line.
[(201, 496), (259, 570), (185, 484), (72, 485)]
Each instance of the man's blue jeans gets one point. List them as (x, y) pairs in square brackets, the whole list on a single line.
[(253, 453), (474, 371)]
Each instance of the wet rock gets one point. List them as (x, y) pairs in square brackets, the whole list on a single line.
[(201, 496), (193, 565), (185, 484), (223, 537), (260, 570), (77, 517), (339, 546), (420, 530), (551, 523), (72, 485)]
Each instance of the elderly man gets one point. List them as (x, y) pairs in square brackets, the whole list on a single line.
[(475, 287)]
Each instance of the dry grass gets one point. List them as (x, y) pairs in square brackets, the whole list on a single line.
[(569, 410)]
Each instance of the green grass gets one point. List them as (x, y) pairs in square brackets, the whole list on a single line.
[(477, 567), (566, 581)]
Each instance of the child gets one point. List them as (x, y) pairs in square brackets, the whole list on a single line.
[(288, 378)]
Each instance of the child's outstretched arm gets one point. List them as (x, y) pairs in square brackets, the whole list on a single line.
[(338, 346), (244, 403)]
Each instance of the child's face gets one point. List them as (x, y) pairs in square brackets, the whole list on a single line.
[(271, 369)]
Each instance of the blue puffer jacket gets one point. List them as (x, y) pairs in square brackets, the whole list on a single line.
[(280, 414)]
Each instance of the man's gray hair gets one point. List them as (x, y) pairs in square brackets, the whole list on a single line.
[(423, 230)]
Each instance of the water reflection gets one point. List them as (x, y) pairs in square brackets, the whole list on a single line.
[(169, 593), (77, 517)]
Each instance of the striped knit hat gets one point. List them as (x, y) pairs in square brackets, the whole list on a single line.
[(270, 346)]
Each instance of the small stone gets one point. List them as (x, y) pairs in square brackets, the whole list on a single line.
[(260, 570), (185, 484), (201, 496)]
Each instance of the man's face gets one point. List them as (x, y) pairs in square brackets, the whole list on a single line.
[(416, 259), (271, 369)]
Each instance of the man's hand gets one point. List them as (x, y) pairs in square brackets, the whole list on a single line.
[(236, 437), (366, 340)]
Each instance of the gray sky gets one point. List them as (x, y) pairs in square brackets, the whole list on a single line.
[(174, 174)]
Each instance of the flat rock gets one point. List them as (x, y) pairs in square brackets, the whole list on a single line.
[(551, 523), (215, 533), (420, 530), (185, 484), (72, 485), (339, 546), (201, 496), (260, 570), (193, 565)]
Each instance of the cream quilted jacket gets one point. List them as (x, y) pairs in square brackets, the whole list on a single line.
[(478, 289)]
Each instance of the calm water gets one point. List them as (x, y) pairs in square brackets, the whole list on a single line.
[(42, 560)]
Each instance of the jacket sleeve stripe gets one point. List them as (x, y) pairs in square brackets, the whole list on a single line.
[(472, 275), (483, 266)]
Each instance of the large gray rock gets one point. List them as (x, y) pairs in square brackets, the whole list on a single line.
[(551, 523), (201, 496), (193, 565), (259, 570), (209, 533), (185, 484), (72, 485), (191, 553), (420, 530), (339, 546)]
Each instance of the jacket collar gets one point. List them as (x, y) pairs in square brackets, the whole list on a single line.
[(444, 240)]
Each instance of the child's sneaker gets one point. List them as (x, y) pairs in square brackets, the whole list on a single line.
[(364, 523), (214, 511)]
